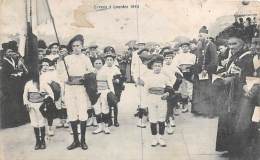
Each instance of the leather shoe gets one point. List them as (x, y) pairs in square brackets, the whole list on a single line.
[(84, 146), (116, 124), (73, 145), (37, 146), (43, 145)]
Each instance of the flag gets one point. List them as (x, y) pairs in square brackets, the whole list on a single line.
[(42, 12), (31, 53)]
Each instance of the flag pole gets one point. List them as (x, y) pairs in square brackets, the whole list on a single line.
[(57, 38)]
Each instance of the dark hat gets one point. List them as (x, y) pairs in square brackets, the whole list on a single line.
[(5, 46), (175, 49), (63, 46), (194, 41), (203, 29), (53, 44), (221, 42), (42, 44), (156, 58), (166, 51), (109, 55), (109, 49), (131, 43), (212, 39), (186, 42), (93, 46), (78, 37), (231, 32), (10, 45), (142, 50), (248, 19), (98, 58), (140, 44), (50, 62), (236, 34), (137, 45)]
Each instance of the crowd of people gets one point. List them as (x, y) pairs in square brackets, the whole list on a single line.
[(82, 87)]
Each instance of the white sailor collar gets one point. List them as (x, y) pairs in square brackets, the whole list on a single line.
[(12, 62)]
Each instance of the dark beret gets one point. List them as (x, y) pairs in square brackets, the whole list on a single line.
[(42, 44), (142, 50), (166, 51), (78, 37), (51, 63), (93, 46), (109, 49), (203, 29), (63, 46), (156, 58), (10, 45), (53, 44), (109, 55)]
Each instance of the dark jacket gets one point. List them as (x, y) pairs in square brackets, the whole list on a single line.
[(118, 87), (244, 60), (90, 83), (211, 59), (48, 109)]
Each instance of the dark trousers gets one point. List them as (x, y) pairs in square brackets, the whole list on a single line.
[(114, 110), (154, 129), (103, 118), (62, 113), (91, 112), (74, 127), (172, 103)]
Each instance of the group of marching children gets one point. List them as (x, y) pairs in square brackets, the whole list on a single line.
[(59, 90), (83, 90), (164, 82)]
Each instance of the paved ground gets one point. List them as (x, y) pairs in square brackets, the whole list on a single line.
[(194, 139)]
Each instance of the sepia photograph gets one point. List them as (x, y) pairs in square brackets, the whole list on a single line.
[(130, 79)]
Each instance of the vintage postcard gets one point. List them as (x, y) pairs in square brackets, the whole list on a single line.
[(130, 79)]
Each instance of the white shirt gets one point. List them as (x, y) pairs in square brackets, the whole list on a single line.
[(184, 58), (137, 66), (31, 87), (52, 56), (170, 70), (61, 70), (155, 80), (256, 62), (107, 74), (225, 61), (78, 65)]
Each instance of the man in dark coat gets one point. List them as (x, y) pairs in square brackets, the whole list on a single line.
[(205, 65)]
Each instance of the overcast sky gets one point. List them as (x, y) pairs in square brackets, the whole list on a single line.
[(157, 20)]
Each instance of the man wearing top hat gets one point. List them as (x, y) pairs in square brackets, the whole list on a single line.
[(76, 98), (205, 65)]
